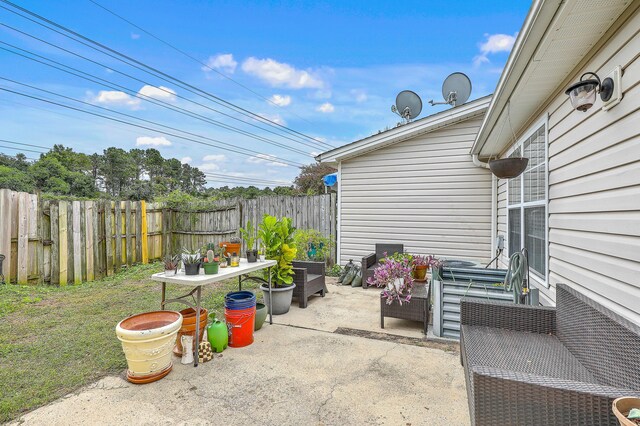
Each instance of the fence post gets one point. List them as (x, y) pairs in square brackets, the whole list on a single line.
[(63, 242), (108, 238), (5, 231), (127, 227), (23, 238), (144, 243), (55, 244), (118, 228), (166, 233)]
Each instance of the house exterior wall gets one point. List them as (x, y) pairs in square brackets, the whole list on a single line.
[(424, 192), (594, 185)]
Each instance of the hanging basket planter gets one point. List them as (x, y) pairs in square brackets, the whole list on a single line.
[(508, 168)]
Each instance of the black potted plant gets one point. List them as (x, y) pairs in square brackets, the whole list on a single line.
[(277, 237), (191, 261), (249, 235)]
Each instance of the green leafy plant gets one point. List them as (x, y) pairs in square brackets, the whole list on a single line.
[(277, 237), (190, 257), (312, 245), (334, 271), (249, 235)]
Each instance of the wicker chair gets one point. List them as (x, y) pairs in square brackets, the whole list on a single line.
[(545, 366), (370, 261), (309, 280)]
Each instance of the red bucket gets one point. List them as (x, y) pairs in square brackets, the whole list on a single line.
[(240, 324)]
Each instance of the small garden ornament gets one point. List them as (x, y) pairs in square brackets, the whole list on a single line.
[(187, 349)]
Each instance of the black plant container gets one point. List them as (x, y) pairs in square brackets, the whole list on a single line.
[(508, 168), (252, 256), (192, 269)]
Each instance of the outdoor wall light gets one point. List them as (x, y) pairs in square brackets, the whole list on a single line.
[(583, 93)]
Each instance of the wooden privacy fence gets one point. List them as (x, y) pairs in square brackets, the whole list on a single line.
[(62, 242)]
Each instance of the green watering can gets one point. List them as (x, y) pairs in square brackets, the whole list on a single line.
[(217, 333)]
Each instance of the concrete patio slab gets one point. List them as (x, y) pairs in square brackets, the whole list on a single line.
[(346, 306), (298, 371), (289, 376)]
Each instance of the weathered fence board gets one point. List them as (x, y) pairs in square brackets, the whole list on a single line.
[(62, 242)]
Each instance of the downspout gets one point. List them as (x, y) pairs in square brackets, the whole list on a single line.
[(494, 201)]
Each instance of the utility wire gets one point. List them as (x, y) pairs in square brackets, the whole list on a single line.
[(147, 98), (118, 112), (149, 69), (86, 76), (177, 49), (25, 144), (218, 144), (21, 149)]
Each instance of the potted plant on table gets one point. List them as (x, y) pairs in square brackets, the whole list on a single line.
[(171, 265), (249, 236), (394, 277), (191, 261), (211, 263), (277, 237)]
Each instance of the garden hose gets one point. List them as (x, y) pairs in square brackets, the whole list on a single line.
[(514, 281)]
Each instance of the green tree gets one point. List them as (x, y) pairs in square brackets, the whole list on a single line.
[(309, 181), (15, 179)]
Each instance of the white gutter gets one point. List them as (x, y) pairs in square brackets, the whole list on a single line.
[(494, 202)]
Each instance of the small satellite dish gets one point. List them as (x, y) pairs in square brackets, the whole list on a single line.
[(456, 90), (408, 105)]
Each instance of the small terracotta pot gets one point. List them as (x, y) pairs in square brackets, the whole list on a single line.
[(189, 327), (419, 272)]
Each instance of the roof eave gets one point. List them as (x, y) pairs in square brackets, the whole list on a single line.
[(399, 134), (533, 30)]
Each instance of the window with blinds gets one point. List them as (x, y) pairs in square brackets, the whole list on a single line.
[(527, 203)]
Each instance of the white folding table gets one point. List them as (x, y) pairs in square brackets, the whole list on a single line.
[(198, 281)]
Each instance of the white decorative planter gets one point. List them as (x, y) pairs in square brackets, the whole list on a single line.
[(147, 341)]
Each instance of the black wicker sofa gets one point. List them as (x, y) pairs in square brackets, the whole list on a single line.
[(527, 365)]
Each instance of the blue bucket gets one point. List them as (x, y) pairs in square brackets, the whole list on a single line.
[(238, 300)]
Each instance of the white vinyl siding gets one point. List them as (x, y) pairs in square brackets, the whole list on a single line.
[(424, 192), (594, 185)]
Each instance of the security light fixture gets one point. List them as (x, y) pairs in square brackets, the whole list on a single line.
[(583, 93)]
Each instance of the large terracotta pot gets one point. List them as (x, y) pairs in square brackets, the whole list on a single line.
[(231, 248), (147, 340), (189, 327)]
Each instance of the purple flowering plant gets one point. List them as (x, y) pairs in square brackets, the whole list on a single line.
[(393, 275)]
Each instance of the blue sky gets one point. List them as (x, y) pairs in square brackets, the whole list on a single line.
[(333, 67)]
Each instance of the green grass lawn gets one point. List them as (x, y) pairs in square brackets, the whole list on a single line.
[(54, 340)]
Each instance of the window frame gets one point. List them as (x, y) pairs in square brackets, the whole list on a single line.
[(520, 206)]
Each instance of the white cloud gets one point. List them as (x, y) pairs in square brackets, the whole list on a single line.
[(118, 98), (135, 36), (215, 157), (265, 159), (186, 160), (153, 141), (326, 108), (281, 100), (223, 62), (359, 95), (279, 74), (209, 167), (161, 92), (494, 43), (276, 118)]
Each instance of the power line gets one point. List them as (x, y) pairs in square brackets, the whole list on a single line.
[(151, 70), (152, 100), (21, 149), (148, 98), (25, 144), (123, 114), (216, 145), (192, 57)]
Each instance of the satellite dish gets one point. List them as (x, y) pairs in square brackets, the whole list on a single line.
[(456, 90), (408, 105)]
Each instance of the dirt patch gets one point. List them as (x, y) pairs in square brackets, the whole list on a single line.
[(426, 343)]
